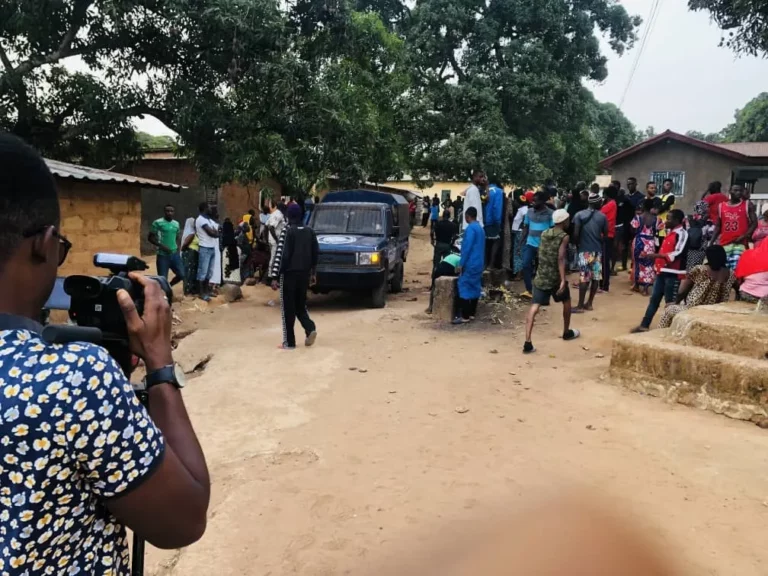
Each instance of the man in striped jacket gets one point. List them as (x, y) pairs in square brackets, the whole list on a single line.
[(293, 272)]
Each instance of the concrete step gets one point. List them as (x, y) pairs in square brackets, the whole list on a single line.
[(733, 327), (654, 363)]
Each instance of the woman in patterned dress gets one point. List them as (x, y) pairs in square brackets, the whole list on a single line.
[(700, 231), (710, 283), (645, 229)]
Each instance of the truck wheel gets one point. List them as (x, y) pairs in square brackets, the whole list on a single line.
[(397, 279), (379, 295)]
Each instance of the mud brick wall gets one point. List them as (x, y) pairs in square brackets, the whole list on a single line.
[(98, 217)]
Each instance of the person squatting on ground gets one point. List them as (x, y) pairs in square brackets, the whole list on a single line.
[(471, 267), (164, 235), (551, 281), (294, 266), (442, 236), (669, 265), (207, 232), (536, 220), (446, 267), (83, 459), (590, 230)]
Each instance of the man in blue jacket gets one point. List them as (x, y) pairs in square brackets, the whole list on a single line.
[(471, 266), (492, 218)]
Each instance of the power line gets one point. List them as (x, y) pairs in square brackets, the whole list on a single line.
[(652, 18)]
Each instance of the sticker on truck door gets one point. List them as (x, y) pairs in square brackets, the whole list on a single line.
[(337, 239)]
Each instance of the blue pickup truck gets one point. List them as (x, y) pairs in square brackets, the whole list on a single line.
[(363, 238)]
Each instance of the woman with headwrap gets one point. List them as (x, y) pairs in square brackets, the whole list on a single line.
[(700, 231), (189, 256), (709, 283)]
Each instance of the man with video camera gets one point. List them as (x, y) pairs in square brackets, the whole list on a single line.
[(83, 459)]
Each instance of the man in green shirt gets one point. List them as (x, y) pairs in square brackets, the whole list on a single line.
[(164, 234), (550, 281)]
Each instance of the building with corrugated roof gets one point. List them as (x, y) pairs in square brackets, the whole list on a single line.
[(100, 212), (692, 164)]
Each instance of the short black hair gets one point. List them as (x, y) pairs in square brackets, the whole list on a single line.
[(668, 180), (715, 187), (472, 212), (540, 196), (611, 192), (202, 207), (677, 215), (649, 183), (476, 172), (446, 214), (616, 183), (169, 205), (28, 198), (631, 179), (252, 212)]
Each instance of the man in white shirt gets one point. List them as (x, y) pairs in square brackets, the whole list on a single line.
[(207, 232), (472, 197)]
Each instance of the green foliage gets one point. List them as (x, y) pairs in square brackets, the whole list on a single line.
[(361, 90), (751, 122), (713, 137), (744, 22), (152, 142)]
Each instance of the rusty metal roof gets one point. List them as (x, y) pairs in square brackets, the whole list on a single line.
[(752, 149), (75, 172)]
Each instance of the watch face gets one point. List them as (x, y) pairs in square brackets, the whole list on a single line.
[(181, 379)]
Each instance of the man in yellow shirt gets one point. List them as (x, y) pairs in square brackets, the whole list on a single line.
[(249, 218)]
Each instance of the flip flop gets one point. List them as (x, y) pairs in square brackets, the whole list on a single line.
[(639, 330)]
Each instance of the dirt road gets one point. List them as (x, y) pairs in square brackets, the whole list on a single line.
[(325, 459)]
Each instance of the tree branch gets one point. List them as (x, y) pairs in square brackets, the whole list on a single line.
[(4, 59), (455, 65), (78, 16)]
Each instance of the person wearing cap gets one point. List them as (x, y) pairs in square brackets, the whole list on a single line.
[(590, 232), (295, 262), (550, 282)]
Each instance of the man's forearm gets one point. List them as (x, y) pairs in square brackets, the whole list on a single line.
[(168, 412)]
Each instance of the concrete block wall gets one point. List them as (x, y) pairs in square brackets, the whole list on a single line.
[(98, 217)]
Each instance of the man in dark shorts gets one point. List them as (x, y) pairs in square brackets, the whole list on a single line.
[(550, 281)]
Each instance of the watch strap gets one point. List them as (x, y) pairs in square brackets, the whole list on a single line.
[(161, 376)]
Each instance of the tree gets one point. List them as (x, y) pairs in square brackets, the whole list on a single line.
[(612, 130), (713, 137), (505, 76), (172, 59), (152, 142), (750, 123), (745, 21)]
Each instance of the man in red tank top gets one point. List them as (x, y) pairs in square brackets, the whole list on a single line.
[(735, 226)]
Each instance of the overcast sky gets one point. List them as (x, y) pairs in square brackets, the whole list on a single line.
[(684, 80)]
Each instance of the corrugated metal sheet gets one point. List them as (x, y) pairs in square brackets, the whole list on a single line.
[(756, 149), (75, 172)]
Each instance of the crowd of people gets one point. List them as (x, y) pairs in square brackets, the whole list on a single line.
[(680, 259)]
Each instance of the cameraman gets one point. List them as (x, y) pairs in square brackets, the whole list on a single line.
[(83, 459)]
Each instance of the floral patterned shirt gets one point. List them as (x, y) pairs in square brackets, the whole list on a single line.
[(73, 435)]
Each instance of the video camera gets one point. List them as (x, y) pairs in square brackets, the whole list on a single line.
[(91, 302)]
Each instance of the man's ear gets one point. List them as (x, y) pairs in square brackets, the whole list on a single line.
[(41, 245)]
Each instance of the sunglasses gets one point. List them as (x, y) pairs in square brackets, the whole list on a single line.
[(64, 245)]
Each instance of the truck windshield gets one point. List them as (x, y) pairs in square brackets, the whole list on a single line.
[(365, 221)]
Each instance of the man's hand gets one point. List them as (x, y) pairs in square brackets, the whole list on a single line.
[(313, 280), (275, 285), (458, 270), (150, 335), (562, 288)]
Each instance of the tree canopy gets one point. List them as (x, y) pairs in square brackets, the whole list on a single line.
[(745, 23), (362, 90)]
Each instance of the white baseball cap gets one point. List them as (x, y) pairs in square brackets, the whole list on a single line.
[(560, 216)]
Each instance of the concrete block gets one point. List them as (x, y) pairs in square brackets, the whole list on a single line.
[(71, 224), (733, 327), (653, 363), (108, 224), (445, 293)]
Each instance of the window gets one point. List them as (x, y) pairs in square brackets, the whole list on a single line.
[(678, 178), (345, 219)]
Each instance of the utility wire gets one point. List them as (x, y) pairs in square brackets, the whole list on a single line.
[(652, 18)]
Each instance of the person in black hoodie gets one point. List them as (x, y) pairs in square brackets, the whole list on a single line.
[(295, 263)]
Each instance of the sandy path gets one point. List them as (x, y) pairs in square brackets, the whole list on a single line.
[(318, 469)]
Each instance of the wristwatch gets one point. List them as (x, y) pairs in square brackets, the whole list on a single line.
[(172, 374)]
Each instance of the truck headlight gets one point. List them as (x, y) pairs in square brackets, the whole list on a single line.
[(368, 258)]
